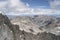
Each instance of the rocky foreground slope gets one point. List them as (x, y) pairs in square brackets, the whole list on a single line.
[(24, 28)]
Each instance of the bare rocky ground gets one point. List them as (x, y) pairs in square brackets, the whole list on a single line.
[(29, 28)]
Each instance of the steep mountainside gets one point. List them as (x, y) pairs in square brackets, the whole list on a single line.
[(5, 28)]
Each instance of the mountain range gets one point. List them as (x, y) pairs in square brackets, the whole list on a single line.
[(37, 27)]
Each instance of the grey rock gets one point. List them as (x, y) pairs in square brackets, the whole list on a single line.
[(5, 28)]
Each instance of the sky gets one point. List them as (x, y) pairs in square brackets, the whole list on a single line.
[(29, 7), (37, 3)]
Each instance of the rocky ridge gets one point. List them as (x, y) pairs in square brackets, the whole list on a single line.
[(37, 24)]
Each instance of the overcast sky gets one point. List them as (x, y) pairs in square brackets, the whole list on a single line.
[(24, 7)]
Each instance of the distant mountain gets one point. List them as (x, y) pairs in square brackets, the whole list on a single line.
[(55, 15)]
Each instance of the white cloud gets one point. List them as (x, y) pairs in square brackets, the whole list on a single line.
[(13, 6), (3, 4), (27, 4), (16, 7), (55, 4)]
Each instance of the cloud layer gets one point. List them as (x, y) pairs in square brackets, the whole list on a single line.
[(16, 7), (55, 4)]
